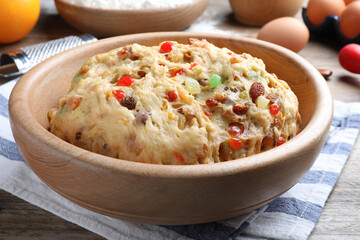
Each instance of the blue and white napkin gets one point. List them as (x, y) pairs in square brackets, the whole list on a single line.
[(291, 216)]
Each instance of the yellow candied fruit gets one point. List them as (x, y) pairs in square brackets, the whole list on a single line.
[(171, 115), (164, 106)]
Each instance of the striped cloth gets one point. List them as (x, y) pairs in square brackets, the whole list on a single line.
[(291, 216)]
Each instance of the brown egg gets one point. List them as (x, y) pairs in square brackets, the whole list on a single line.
[(318, 10), (347, 2), (350, 20), (287, 32)]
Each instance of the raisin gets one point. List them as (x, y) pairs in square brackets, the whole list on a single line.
[(132, 56), (207, 112), (211, 102), (128, 102), (141, 117), (278, 121), (240, 110), (256, 90), (78, 136), (220, 96), (141, 73), (267, 143), (204, 82), (224, 151), (235, 129), (273, 97), (188, 57)]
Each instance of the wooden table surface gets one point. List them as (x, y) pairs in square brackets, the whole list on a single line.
[(340, 218)]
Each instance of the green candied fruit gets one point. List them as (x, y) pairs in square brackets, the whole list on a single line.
[(76, 78), (62, 110), (254, 75), (215, 80)]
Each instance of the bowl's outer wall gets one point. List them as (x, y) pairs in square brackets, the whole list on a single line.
[(259, 12), (106, 23), (166, 194)]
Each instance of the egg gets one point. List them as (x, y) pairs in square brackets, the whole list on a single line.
[(350, 20), (318, 10), (347, 2), (287, 32)]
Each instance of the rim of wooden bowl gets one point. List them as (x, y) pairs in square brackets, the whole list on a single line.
[(312, 132)]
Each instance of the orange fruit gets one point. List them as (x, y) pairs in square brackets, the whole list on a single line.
[(17, 19)]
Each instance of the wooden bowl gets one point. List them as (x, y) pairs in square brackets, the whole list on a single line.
[(165, 194), (259, 12), (106, 22)]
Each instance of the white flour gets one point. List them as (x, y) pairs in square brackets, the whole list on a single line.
[(130, 4)]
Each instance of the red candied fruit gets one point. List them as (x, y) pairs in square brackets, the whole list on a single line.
[(122, 51), (119, 94), (178, 72), (166, 47), (235, 129), (179, 157), (171, 96), (274, 109), (192, 65), (125, 81), (236, 143), (280, 141)]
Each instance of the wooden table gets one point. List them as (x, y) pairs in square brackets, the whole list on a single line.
[(340, 218)]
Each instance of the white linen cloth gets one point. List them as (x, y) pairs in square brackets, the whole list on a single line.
[(291, 216)]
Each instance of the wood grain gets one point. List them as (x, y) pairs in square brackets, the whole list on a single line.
[(259, 12), (21, 220), (339, 219)]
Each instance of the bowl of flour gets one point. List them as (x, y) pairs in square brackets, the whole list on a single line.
[(106, 18)]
